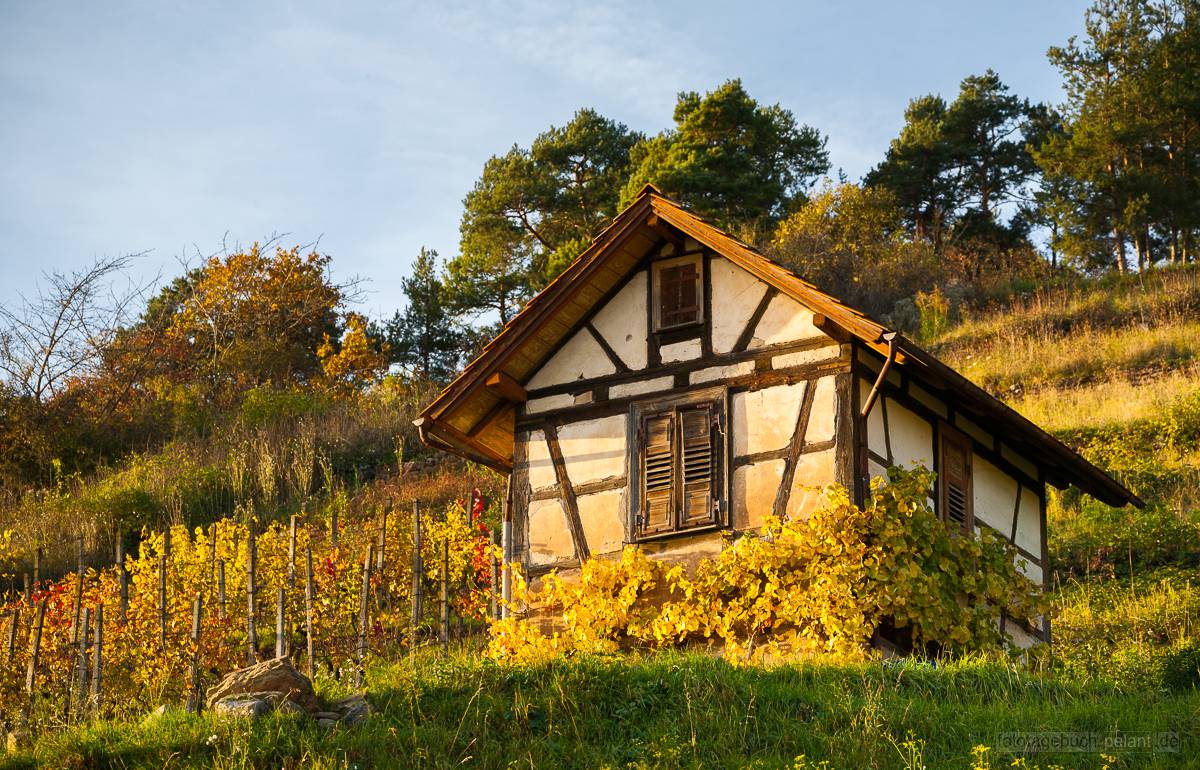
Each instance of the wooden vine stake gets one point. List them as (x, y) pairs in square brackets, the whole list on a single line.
[(77, 607), (97, 661), (495, 581), (162, 601), (445, 596), (81, 662), (11, 647), (280, 624), (122, 579), (194, 700), (35, 648), (251, 633), (308, 609), (416, 572), (363, 618), (221, 589)]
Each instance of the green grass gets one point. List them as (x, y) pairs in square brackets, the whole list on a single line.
[(662, 711)]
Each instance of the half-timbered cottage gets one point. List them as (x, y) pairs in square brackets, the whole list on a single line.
[(673, 384)]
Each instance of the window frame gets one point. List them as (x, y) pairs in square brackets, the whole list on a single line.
[(718, 397), (949, 435), (657, 267)]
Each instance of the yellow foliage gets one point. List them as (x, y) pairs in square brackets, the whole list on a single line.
[(816, 587)]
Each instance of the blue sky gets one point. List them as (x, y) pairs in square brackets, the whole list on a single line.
[(171, 127)]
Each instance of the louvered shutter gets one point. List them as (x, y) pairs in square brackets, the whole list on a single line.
[(679, 295), (698, 466), (955, 480), (658, 471)]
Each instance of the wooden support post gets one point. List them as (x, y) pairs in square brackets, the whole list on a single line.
[(11, 647), (81, 663), (37, 568), (162, 601), (221, 589), (194, 698), (97, 662), (308, 610), (251, 633), (381, 555), (444, 635), (333, 527), (28, 593), (280, 624), (212, 560), (363, 619), (122, 578), (417, 569)]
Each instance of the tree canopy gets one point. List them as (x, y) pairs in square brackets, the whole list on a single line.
[(733, 160)]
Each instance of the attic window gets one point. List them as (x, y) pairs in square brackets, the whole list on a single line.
[(678, 292), (678, 466), (954, 480)]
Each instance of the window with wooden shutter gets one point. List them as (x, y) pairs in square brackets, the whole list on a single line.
[(658, 471), (678, 292), (679, 468), (954, 479)]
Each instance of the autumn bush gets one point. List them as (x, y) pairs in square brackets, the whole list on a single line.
[(821, 586)]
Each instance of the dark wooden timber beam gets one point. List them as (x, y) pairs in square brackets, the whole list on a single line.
[(507, 388)]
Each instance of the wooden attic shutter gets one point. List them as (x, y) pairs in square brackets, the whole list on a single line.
[(678, 295), (697, 467), (955, 479), (658, 470)]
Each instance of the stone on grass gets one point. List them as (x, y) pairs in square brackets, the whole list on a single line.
[(353, 710), (327, 724), (275, 676), (249, 705)]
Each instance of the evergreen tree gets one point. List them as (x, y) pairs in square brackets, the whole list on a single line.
[(424, 339), (731, 159)]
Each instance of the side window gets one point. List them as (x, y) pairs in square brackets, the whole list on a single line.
[(679, 469), (678, 292), (954, 479)]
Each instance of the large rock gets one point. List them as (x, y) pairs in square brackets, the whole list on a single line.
[(271, 676)]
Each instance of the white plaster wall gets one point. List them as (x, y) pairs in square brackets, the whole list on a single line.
[(764, 420), (875, 437), (786, 320), (911, 436), (994, 495), (680, 351), (546, 403), (754, 488), (1029, 522), (802, 357), (622, 322), (822, 420), (722, 372), (735, 295), (541, 467), (580, 358), (602, 515), (641, 387), (549, 537), (814, 473), (593, 449)]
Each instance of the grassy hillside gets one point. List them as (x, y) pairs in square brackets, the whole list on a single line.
[(1112, 368), (665, 711)]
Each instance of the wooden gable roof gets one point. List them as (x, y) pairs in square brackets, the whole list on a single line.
[(474, 416)]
